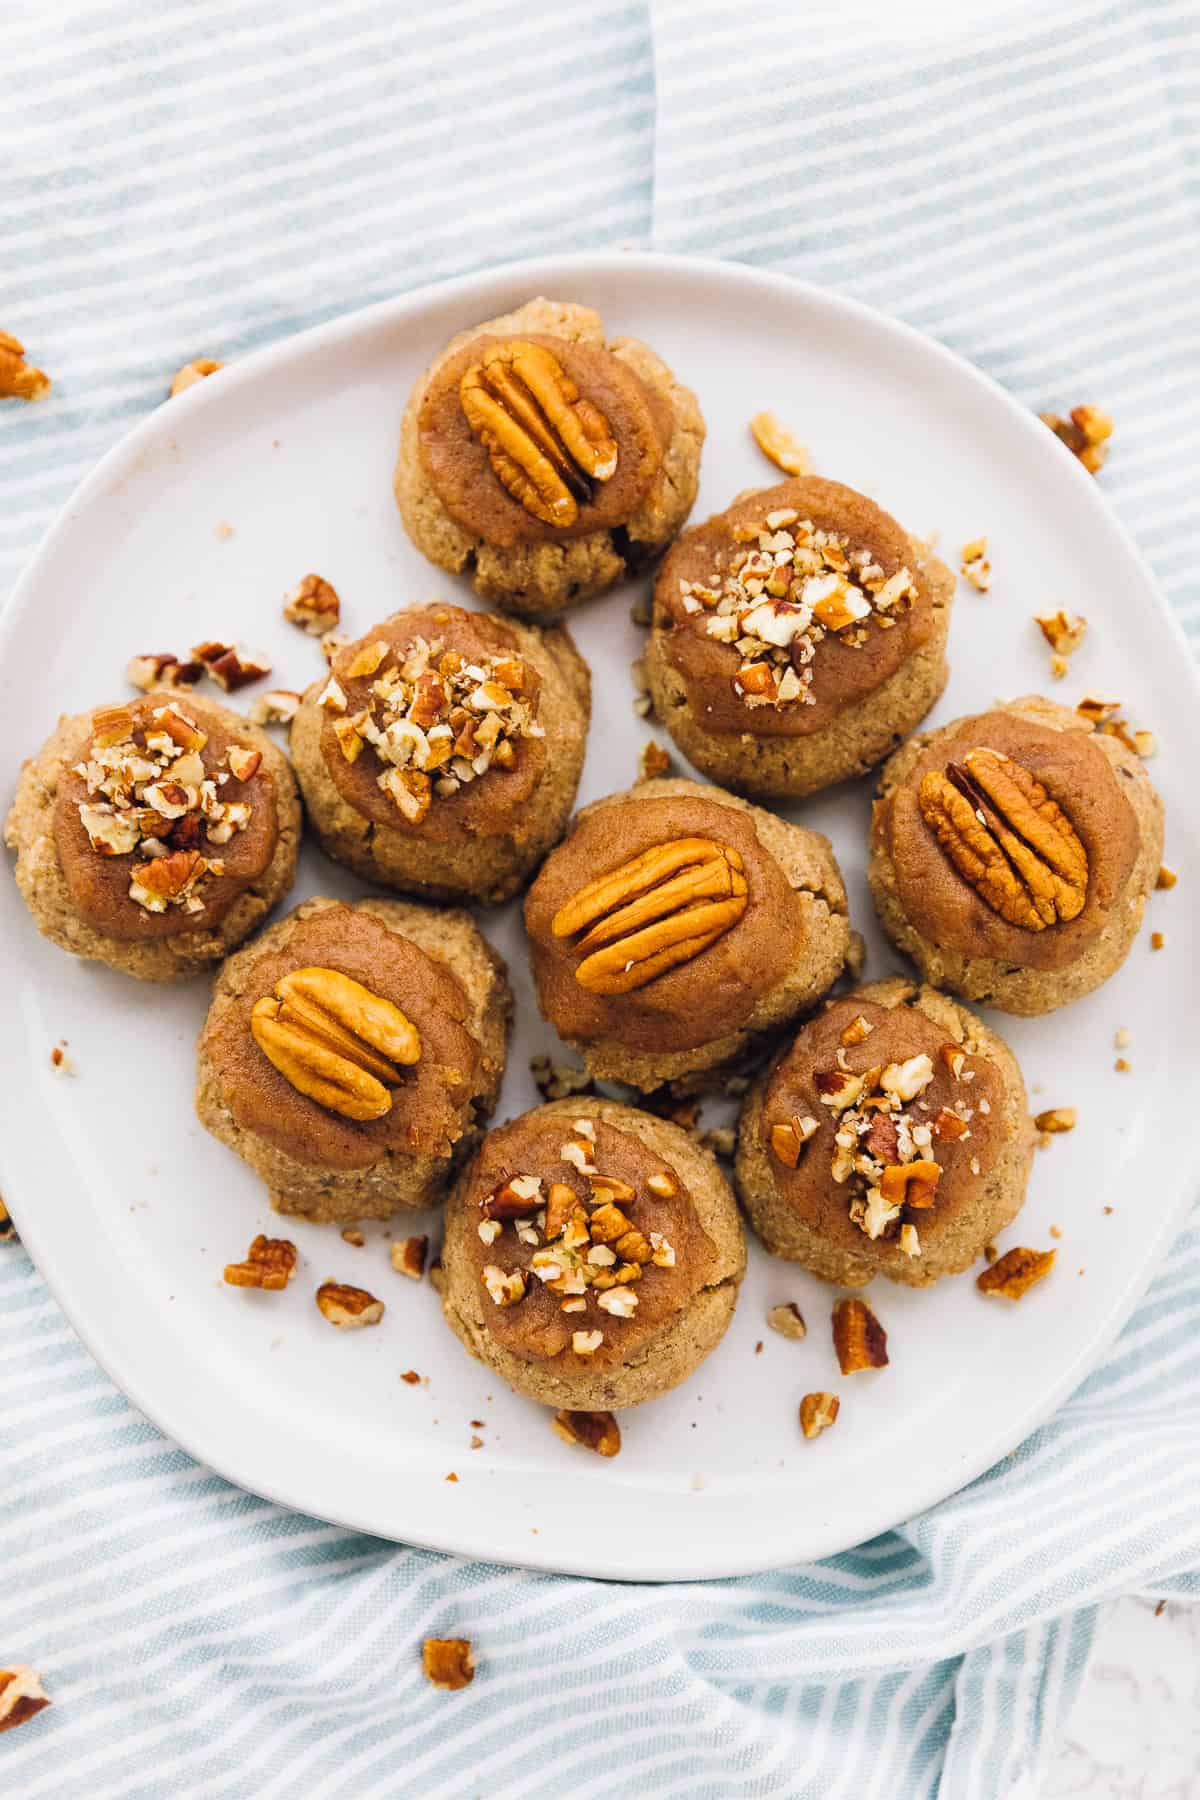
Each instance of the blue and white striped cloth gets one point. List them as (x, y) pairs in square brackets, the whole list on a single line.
[(203, 175)]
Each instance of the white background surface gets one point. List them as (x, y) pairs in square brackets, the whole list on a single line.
[(294, 449)]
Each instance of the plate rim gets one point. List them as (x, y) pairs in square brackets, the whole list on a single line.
[(539, 273)]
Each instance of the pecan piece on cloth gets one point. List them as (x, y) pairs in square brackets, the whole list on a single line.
[(21, 1696), (1007, 838), (336, 1041), (660, 909), (447, 1662), (546, 443), (18, 381)]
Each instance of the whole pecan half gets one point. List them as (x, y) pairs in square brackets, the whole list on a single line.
[(334, 1040), (654, 912), (546, 444), (1007, 838)]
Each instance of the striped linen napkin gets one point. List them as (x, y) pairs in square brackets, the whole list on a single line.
[(214, 174)]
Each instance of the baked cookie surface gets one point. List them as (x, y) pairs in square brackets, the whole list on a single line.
[(442, 753), (1012, 853), (154, 835), (544, 460), (676, 925), (891, 1137), (797, 637), (592, 1254), (353, 1054)]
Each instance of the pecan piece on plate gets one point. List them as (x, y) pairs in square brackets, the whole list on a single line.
[(270, 1263), (779, 446), (349, 1308), (1008, 839), (817, 1413), (596, 1431), (858, 1338), (313, 604), (660, 909), (1016, 1272), (336, 1041), (547, 444)]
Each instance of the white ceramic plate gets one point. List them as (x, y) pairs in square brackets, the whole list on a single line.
[(131, 1210)]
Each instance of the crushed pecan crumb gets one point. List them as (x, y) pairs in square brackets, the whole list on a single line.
[(1086, 434), (1064, 633), (60, 1062), (788, 1320), (18, 380), (1057, 1119), (162, 671), (7, 1229), (817, 1413), (1157, 940), (596, 1431), (1165, 879), (779, 445), (448, 1662), (859, 1340), (653, 761), (408, 1258), (1016, 1272), (411, 1377), (198, 369), (270, 1263), (349, 1308), (353, 1236), (231, 666), (856, 956), (21, 1692), (974, 566), (313, 604), (1121, 1066)]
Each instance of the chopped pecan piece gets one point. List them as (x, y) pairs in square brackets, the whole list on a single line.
[(21, 1691), (18, 380), (788, 1321), (1085, 433), (1057, 1118), (270, 1263), (789, 1137), (408, 1258), (1008, 839), (198, 369), (161, 671), (231, 666), (858, 1338), (596, 1431), (975, 566), (910, 1184), (1063, 631), (313, 604), (1166, 878), (448, 1662), (653, 762), (349, 1308), (546, 444), (278, 706), (882, 1139), (652, 913), (817, 1413), (1016, 1272), (779, 446)]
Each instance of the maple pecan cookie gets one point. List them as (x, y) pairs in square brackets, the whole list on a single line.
[(797, 637), (352, 1055), (442, 752), (676, 926), (545, 461), (154, 835), (891, 1137), (592, 1254), (1012, 853)]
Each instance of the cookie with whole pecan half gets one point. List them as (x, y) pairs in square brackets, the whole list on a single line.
[(1012, 854), (352, 1055), (592, 1254), (546, 461), (442, 752), (155, 835), (676, 926), (891, 1137), (797, 637)]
